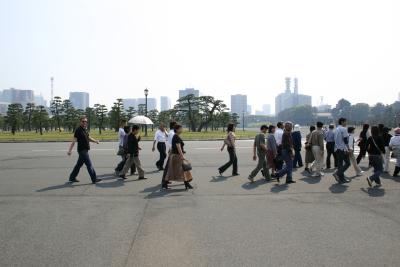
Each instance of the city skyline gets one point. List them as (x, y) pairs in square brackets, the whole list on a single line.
[(119, 48)]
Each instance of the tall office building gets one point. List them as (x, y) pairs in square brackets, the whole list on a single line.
[(165, 103), (249, 110), (238, 104), (189, 91), (80, 100), (13, 95), (288, 99), (151, 103), (129, 102)]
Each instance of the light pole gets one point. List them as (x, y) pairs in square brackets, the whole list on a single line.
[(146, 93), (243, 120)]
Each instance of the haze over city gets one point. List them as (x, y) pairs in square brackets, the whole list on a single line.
[(114, 49)]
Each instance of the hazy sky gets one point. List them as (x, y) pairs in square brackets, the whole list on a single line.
[(111, 49)]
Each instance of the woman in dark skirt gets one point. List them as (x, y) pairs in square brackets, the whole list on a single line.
[(176, 160)]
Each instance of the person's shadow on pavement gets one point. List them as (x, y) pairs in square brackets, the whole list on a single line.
[(338, 188), (277, 188), (374, 191)]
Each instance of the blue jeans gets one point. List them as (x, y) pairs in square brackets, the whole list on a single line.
[(288, 168), (83, 159), (297, 159), (343, 162), (377, 163)]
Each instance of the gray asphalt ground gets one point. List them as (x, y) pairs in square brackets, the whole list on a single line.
[(224, 221)]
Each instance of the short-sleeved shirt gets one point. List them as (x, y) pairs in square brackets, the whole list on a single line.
[(82, 137), (121, 135), (170, 136), (278, 136), (175, 141), (160, 137), (259, 141), (330, 136), (340, 135)]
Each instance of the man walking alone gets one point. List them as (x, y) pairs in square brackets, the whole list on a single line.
[(81, 136)]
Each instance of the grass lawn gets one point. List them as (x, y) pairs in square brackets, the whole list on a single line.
[(110, 135)]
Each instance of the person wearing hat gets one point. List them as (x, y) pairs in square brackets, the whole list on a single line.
[(386, 138), (296, 136), (394, 145)]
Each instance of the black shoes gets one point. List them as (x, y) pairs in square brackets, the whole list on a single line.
[(142, 178), (235, 174), (369, 182), (164, 185), (290, 182), (74, 181), (343, 181), (220, 172), (96, 181), (122, 177), (188, 186)]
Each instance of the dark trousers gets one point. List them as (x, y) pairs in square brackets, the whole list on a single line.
[(83, 159), (232, 161), (161, 147), (279, 159), (165, 171), (298, 160), (330, 151), (363, 152), (343, 161), (377, 163), (121, 165), (288, 168)]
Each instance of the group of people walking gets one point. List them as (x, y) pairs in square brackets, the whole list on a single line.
[(276, 148)]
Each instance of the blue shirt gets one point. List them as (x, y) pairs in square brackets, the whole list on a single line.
[(340, 135), (330, 136)]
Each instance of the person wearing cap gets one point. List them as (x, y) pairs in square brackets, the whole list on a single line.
[(386, 139), (296, 136), (330, 146), (394, 146), (353, 159)]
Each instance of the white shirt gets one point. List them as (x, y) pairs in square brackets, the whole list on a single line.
[(160, 137), (395, 141), (351, 142), (121, 135), (278, 136), (170, 136)]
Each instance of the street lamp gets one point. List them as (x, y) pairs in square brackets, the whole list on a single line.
[(146, 93)]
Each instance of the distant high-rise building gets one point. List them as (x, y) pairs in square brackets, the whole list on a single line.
[(22, 97), (129, 102), (249, 110), (189, 91), (40, 101), (80, 100), (151, 103), (238, 104), (165, 103), (288, 99), (4, 108)]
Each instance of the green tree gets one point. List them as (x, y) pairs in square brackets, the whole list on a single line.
[(28, 113), (141, 110), (130, 113), (153, 115), (91, 116), (101, 115), (117, 114), (209, 107), (15, 117), (301, 114), (234, 118), (188, 106), (70, 115), (40, 118), (359, 113), (342, 109), (56, 109)]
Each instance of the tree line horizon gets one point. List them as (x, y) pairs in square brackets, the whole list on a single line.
[(198, 114)]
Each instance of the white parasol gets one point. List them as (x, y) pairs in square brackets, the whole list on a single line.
[(141, 120)]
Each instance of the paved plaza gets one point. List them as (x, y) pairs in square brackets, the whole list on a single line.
[(224, 221)]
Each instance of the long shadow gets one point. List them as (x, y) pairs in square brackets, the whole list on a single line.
[(162, 193), (61, 186), (311, 180), (219, 178), (107, 176), (374, 192), (277, 188), (251, 186), (338, 188), (113, 184)]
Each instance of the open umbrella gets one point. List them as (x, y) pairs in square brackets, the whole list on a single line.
[(141, 120)]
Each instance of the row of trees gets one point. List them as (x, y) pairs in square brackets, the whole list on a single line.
[(356, 114), (197, 113)]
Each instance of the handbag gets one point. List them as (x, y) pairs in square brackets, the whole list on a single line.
[(121, 151), (186, 166)]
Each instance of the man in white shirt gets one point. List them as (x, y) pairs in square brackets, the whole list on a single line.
[(342, 151), (161, 138), (169, 144), (279, 133)]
